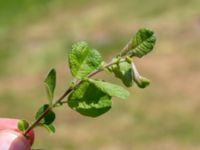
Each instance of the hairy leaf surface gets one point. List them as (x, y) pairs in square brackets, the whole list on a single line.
[(83, 60)]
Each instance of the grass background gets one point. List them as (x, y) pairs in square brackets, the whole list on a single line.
[(36, 35)]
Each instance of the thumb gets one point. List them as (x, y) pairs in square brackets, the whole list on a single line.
[(11, 140)]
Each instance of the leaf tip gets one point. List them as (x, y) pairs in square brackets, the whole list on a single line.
[(144, 82)]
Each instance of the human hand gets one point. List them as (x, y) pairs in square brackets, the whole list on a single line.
[(11, 137)]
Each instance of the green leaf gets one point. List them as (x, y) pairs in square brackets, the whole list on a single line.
[(88, 100), (51, 128), (124, 72), (22, 125), (141, 81), (49, 118), (110, 89), (141, 44), (83, 60), (50, 84)]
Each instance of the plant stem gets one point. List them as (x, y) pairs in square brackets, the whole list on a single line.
[(68, 91), (34, 124)]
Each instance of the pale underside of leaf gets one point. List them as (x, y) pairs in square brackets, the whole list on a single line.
[(124, 72), (50, 128), (110, 89), (50, 84), (141, 81)]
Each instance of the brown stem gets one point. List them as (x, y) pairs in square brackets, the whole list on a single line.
[(46, 112), (69, 90), (37, 121)]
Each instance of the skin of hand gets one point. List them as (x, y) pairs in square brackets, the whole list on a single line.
[(11, 137)]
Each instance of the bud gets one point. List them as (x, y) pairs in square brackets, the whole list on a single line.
[(22, 125)]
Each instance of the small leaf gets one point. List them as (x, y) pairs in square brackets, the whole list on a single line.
[(51, 128), (23, 125), (141, 44), (124, 72), (83, 60), (144, 82), (49, 118), (50, 84), (141, 82), (88, 100), (110, 89)]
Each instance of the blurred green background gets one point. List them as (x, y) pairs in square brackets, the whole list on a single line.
[(36, 35)]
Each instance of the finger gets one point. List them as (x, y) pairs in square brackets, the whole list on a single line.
[(11, 140), (8, 124), (11, 124)]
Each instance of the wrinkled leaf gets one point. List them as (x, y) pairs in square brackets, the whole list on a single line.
[(88, 100), (83, 60), (49, 118), (50, 84), (110, 89), (124, 72), (141, 44), (23, 125)]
